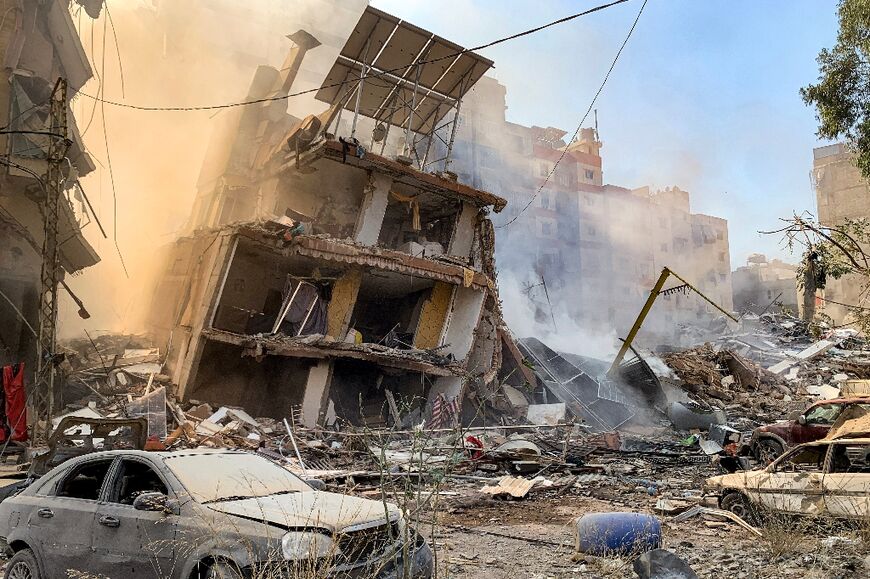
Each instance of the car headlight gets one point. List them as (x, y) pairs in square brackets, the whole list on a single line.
[(299, 545)]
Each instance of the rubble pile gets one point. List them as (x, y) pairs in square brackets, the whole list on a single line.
[(715, 377)]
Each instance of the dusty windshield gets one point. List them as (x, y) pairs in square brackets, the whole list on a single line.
[(225, 477)]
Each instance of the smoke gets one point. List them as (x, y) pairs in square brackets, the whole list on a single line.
[(528, 315), (172, 53)]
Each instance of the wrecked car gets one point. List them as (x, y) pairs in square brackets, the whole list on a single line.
[(77, 436), (822, 478), (197, 514), (771, 440)]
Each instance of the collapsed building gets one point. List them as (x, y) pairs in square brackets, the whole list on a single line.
[(329, 277)]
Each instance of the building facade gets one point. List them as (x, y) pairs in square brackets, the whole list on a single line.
[(39, 44), (598, 248), (764, 286), (841, 193)]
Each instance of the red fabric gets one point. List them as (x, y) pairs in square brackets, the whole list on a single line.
[(16, 401)]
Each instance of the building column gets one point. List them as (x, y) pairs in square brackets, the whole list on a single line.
[(374, 207), (344, 294), (463, 235), (316, 398)]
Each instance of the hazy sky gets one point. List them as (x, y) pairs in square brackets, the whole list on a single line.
[(705, 95)]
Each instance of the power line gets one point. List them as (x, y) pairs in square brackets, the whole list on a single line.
[(362, 77), (583, 120)]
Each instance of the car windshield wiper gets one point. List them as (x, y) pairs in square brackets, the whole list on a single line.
[(227, 499)]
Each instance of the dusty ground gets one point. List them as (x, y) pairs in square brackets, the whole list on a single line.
[(544, 544)]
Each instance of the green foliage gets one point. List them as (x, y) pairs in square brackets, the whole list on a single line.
[(842, 94)]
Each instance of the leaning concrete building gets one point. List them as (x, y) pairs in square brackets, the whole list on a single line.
[(340, 275)]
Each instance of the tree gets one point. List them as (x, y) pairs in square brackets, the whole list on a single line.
[(830, 253), (842, 94)]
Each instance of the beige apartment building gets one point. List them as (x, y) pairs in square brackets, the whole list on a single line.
[(598, 247), (841, 194)]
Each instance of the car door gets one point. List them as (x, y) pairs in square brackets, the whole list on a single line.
[(127, 542), (61, 521), (847, 481), (794, 481)]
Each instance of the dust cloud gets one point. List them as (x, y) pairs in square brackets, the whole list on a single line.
[(172, 53)]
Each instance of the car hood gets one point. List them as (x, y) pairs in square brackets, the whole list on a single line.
[(738, 480), (330, 511)]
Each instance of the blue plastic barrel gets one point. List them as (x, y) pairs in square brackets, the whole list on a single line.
[(618, 533)]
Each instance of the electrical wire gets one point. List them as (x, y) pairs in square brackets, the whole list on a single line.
[(582, 121), (362, 77), (117, 49)]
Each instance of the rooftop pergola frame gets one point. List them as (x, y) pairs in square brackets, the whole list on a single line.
[(401, 75)]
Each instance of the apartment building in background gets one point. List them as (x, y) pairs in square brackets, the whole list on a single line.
[(841, 194), (764, 285), (597, 247)]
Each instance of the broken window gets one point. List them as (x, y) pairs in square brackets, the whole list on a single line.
[(824, 414), (133, 479), (590, 174), (85, 481), (807, 459), (850, 458)]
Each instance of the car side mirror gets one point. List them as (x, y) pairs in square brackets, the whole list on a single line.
[(156, 502), (802, 420), (316, 484)]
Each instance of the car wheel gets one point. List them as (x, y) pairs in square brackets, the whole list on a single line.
[(768, 450), (223, 570), (22, 566), (740, 506)]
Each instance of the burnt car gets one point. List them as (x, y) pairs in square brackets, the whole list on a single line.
[(200, 514), (823, 478), (771, 440)]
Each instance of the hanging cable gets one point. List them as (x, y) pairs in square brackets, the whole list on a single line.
[(362, 77)]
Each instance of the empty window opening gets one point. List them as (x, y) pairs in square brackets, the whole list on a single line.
[(327, 200), (269, 387), (85, 481), (262, 287), (360, 389), (135, 478), (388, 308), (418, 223)]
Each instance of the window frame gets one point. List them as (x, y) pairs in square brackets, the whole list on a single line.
[(825, 462), (65, 477), (113, 475)]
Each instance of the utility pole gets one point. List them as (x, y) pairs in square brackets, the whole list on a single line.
[(50, 276)]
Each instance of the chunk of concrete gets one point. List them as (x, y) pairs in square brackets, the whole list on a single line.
[(547, 414)]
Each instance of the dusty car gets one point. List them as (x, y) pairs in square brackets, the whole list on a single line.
[(200, 514), (826, 477), (771, 440)]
